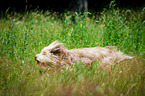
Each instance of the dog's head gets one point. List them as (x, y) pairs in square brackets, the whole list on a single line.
[(51, 54)]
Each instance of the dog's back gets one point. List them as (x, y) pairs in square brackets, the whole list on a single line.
[(100, 54)]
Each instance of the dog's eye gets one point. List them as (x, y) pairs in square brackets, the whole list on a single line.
[(44, 53)]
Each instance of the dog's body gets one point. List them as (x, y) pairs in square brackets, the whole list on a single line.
[(56, 54)]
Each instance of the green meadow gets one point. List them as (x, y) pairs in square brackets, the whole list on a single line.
[(22, 36)]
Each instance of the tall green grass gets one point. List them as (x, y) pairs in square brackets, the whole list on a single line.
[(22, 37)]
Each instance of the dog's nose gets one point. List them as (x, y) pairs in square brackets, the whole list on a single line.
[(35, 57)]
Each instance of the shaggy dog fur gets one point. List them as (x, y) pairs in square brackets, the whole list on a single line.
[(56, 54)]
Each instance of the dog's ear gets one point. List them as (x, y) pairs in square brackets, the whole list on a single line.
[(54, 43), (57, 48)]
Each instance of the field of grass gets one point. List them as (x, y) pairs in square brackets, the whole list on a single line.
[(23, 36)]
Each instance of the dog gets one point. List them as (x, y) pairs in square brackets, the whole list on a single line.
[(56, 54)]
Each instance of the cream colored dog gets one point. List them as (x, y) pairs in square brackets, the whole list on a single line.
[(56, 54)]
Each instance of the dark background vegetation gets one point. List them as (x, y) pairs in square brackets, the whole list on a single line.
[(64, 5)]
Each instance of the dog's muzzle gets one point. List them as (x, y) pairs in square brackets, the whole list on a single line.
[(38, 62)]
